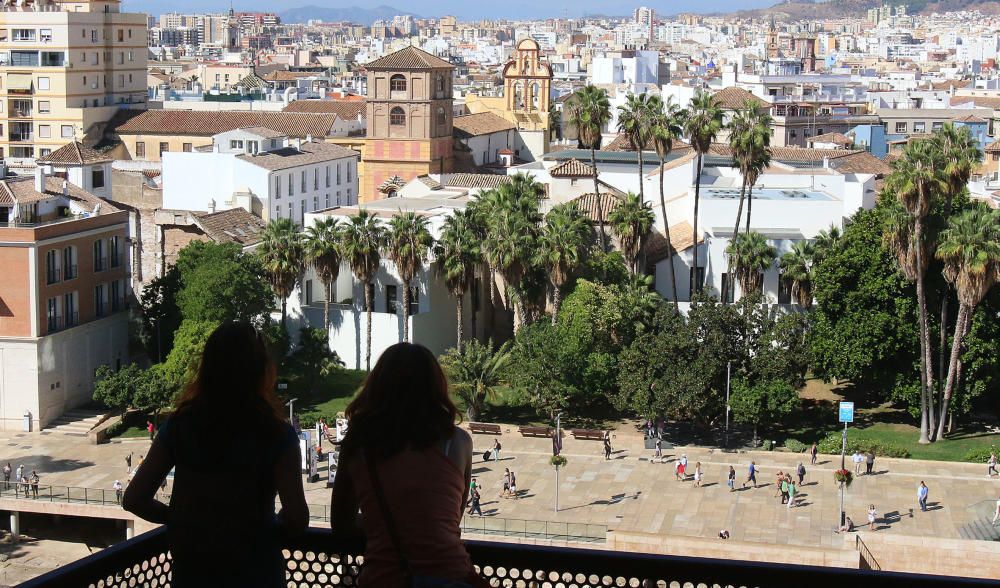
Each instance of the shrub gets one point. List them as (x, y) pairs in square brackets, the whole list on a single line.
[(557, 460), (795, 446), (980, 454), (856, 441)]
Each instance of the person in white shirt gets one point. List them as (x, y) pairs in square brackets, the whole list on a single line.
[(858, 460), (118, 488)]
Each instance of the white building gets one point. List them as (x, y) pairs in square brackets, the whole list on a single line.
[(262, 171)]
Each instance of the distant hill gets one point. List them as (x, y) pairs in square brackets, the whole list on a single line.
[(365, 16), (806, 9)]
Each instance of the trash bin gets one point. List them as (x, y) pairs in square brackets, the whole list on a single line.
[(27, 421)]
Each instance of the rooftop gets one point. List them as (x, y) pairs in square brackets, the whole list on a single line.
[(409, 58), (344, 109), (231, 226), (206, 124), (483, 123), (75, 153), (308, 152), (796, 194)]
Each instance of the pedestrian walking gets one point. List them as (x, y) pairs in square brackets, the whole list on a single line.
[(858, 459), (151, 429), (871, 517), (697, 474), (506, 484), (658, 450), (869, 462), (6, 476), (475, 509), (682, 464), (792, 491), (24, 485), (128, 462), (922, 492), (607, 447), (996, 513), (513, 486), (34, 484), (777, 483), (991, 465), (731, 482), (800, 472), (17, 480), (496, 450), (118, 488), (473, 485), (751, 475), (783, 489), (814, 451)]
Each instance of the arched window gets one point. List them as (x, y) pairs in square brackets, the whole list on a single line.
[(440, 116), (440, 84), (397, 83), (397, 117)]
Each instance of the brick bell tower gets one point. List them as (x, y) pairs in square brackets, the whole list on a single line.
[(409, 113)]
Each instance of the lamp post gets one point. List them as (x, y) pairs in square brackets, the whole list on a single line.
[(846, 415), (729, 366), (290, 402), (559, 441)]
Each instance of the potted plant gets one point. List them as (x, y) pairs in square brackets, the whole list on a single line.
[(843, 476)]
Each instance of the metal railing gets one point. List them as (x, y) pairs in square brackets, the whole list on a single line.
[(867, 559), (53, 275), (316, 558), (63, 494), (100, 264), (554, 530)]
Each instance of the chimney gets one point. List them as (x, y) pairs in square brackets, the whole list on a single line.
[(298, 144), (65, 188), (826, 163), (40, 179), (309, 138), (211, 205)]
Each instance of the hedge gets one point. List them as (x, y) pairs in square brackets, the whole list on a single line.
[(856, 441)]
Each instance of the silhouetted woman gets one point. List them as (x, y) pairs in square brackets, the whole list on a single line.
[(408, 467), (221, 523)]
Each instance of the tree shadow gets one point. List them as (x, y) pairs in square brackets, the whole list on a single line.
[(45, 464)]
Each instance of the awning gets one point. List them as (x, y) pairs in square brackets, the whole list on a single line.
[(19, 82)]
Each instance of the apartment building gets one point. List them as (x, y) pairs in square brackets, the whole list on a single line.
[(65, 67), (63, 297)]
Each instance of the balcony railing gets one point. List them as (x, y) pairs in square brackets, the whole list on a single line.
[(100, 264), (53, 275), (22, 137), (58, 323), (317, 559)]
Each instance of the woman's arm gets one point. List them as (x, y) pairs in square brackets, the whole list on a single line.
[(460, 453), (294, 514), (140, 496), (344, 503)]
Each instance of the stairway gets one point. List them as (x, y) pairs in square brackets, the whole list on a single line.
[(75, 423), (980, 530)]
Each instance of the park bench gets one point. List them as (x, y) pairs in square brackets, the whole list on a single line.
[(535, 431), (488, 428), (593, 434)]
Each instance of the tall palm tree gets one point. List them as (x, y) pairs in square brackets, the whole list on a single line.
[(750, 142), (282, 254), (408, 241), (631, 221), (476, 373), (751, 256), (702, 125), (665, 125), (361, 244), (825, 242), (562, 241), (634, 122), (917, 180), (458, 254), (796, 266), (970, 249), (323, 252), (589, 113)]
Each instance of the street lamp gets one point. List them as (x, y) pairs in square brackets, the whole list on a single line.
[(559, 445), (729, 366), (846, 415), (289, 404)]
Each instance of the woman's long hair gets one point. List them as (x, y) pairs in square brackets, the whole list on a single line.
[(235, 379), (404, 403)]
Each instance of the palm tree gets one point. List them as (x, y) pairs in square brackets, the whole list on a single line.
[(703, 123), (751, 255), (634, 122), (826, 241), (323, 252), (796, 266), (561, 244), (916, 180), (361, 243), (476, 372), (458, 254), (750, 142), (665, 125), (970, 249), (282, 254), (555, 122), (408, 241), (589, 113), (631, 221)]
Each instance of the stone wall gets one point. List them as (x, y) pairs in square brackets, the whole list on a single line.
[(937, 556)]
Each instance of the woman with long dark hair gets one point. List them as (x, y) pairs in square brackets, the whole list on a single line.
[(232, 452), (408, 467)]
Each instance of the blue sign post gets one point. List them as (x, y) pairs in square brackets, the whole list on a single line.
[(846, 415), (846, 412)]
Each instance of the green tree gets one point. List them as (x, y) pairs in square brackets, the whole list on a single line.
[(181, 366), (750, 255), (119, 390), (702, 125), (282, 255), (561, 244), (970, 249), (407, 243), (589, 113), (796, 267), (313, 355), (160, 313), (476, 372), (666, 125), (634, 118), (458, 252), (764, 402), (220, 283), (826, 242), (156, 392), (322, 250), (631, 222), (363, 237), (750, 142)]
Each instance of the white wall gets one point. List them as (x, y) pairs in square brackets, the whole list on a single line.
[(18, 383), (192, 180)]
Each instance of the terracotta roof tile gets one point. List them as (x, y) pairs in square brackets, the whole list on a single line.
[(344, 109), (587, 203), (483, 123), (574, 168), (75, 153), (970, 118), (861, 162), (980, 101), (231, 226), (464, 180), (733, 97), (280, 75), (22, 189), (206, 124), (993, 147), (409, 58), (263, 132), (836, 138), (308, 152)]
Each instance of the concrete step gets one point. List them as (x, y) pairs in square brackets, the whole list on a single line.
[(77, 422), (980, 530)]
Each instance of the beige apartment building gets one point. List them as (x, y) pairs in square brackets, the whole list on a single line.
[(64, 68)]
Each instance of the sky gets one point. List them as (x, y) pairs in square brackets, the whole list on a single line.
[(461, 8)]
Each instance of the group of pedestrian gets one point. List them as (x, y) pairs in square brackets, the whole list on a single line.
[(862, 458), (787, 489), (509, 484), (22, 483)]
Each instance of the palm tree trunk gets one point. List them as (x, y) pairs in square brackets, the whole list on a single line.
[(556, 301), (284, 313), (666, 233), (326, 307), (600, 209), (368, 327), (406, 310), (736, 231), (943, 344), (749, 204), (694, 234), (458, 317), (956, 349), (927, 399), (472, 315), (638, 155)]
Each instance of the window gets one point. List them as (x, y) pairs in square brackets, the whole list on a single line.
[(697, 281), (44, 131), (338, 174), (52, 314), (53, 59), (93, 35), (45, 35), (100, 261), (117, 298), (315, 203), (291, 185), (397, 117), (328, 201), (70, 307), (390, 300), (187, 147), (784, 291), (440, 116), (397, 83), (100, 302), (348, 173), (277, 212), (236, 144), (67, 131), (163, 148), (328, 176), (69, 263), (114, 250), (936, 126), (309, 292), (792, 134), (302, 180), (316, 178), (24, 34), (291, 210), (140, 149), (44, 106), (253, 147), (919, 127), (24, 58), (900, 127), (727, 289), (277, 186), (52, 273), (121, 35)]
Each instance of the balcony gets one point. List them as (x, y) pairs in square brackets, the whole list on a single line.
[(22, 137), (100, 264), (53, 275), (317, 559), (59, 323)]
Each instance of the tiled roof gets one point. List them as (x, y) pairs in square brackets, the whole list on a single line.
[(75, 153), (344, 109), (993, 147), (860, 162), (251, 82), (681, 238), (948, 84), (483, 123), (408, 58), (206, 124), (587, 204), (6, 199), (733, 97), (623, 143), (280, 75), (309, 152), (231, 226), (689, 154), (980, 101), (22, 190), (463, 180), (574, 168), (970, 118), (263, 132), (836, 138)]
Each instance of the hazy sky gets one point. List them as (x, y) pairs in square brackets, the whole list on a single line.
[(460, 8)]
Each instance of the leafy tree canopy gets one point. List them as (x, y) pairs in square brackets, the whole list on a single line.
[(219, 283)]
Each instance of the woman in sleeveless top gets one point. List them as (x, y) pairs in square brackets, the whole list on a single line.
[(408, 468)]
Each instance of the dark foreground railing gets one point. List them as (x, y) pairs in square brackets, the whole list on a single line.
[(316, 560)]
